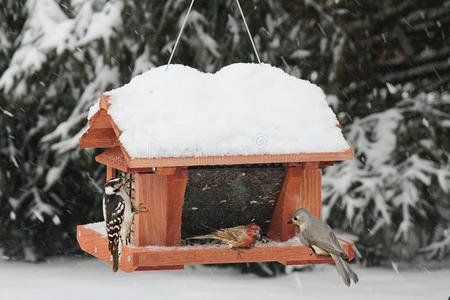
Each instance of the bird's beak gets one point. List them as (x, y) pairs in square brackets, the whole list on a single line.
[(290, 221)]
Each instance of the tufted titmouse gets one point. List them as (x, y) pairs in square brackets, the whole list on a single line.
[(322, 241)]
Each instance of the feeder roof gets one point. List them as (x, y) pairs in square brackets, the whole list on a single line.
[(248, 110)]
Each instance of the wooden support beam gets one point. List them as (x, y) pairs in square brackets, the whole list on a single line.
[(110, 172), (165, 171), (287, 203), (326, 163), (311, 188), (163, 195), (176, 187), (99, 138), (235, 159), (114, 158), (100, 120), (104, 102), (301, 188)]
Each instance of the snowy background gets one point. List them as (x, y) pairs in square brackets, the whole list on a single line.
[(384, 66)]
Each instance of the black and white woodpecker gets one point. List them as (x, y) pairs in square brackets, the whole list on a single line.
[(118, 213)]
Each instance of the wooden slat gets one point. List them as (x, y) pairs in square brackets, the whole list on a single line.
[(99, 138), (110, 173), (100, 120), (165, 171), (104, 102), (301, 188), (239, 159), (287, 203), (113, 158), (148, 187), (165, 165), (311, 189), (176, 187), (326, 163), (163, 195), (118, 132), (155, 258), (103, 119)]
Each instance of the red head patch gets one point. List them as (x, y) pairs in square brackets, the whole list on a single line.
[(112, 179)]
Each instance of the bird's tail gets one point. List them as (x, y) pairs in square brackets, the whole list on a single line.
[(116, 252), (115, 262), (353, 275), (344, 270)]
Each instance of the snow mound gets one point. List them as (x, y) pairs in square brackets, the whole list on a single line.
[(98, 227), (242, 109)]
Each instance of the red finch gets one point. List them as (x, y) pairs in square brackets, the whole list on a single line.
[(243, 236)]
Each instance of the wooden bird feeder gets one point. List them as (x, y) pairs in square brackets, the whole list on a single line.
[(160, 184)]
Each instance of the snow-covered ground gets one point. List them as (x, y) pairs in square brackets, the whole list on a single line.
[(85, 279)]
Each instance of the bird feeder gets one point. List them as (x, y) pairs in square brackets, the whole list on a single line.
[(164, 125)]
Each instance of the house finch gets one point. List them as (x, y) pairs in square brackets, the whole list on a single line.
[(322, 241), (243, 236)]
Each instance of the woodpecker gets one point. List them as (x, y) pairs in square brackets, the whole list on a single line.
[(118, 213)]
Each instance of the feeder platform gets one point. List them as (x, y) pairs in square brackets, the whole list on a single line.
[(175, 257)]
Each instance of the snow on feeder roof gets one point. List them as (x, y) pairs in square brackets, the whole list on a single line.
[(254, 111)]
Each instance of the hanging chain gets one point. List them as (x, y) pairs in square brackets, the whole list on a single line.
[(184, 23), (248, 31)]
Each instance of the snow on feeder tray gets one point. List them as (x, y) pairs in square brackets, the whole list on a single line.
[(243, 145)]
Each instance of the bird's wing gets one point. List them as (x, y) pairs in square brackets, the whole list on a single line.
[(337, 246), (113, 210), (232, 237), (233, 233), (226, 234), (321, 235), (114, 214)]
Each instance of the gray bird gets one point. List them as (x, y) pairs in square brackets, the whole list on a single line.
[(322, 241)]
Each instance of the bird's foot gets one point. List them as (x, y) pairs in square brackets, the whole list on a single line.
[(264, 239), (238, 251)]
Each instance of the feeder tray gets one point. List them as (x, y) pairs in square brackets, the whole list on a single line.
[(149, 258), (160, 184)]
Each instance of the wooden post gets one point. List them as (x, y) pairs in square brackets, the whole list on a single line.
[(163, 195), (311, 188), (301, 188), (287, 203), (110, 172)]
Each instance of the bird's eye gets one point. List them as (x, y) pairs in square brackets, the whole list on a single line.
[(295, 218)]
